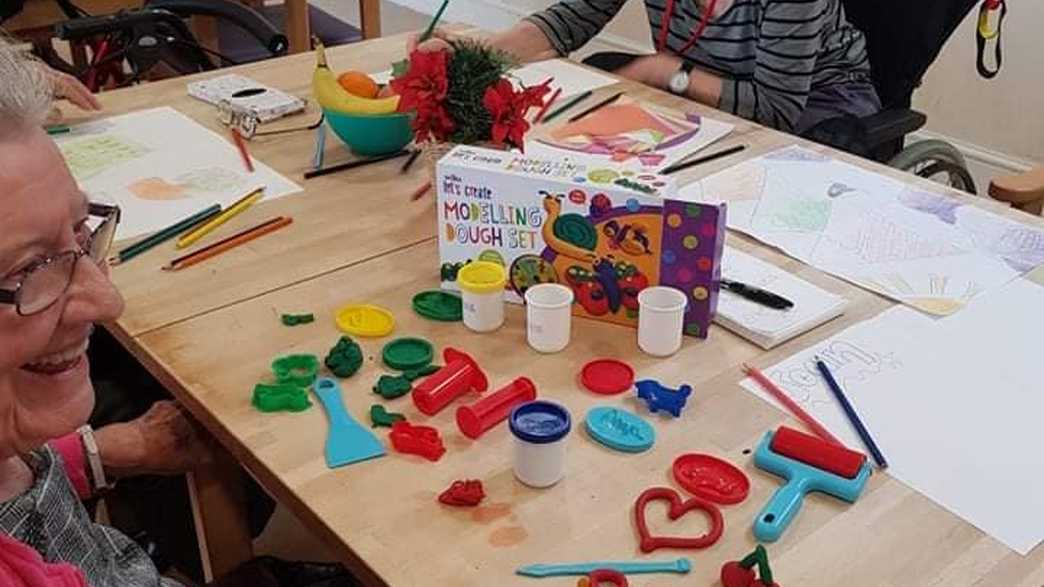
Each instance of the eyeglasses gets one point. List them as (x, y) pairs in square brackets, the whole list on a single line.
[(45, 282), (246, 122)]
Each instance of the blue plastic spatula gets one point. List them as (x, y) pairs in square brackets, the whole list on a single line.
[(348, 442)]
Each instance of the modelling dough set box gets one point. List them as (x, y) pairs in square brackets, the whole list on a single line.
[(605, 232)]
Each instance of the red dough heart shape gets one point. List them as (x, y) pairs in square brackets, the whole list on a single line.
[(678, 508)]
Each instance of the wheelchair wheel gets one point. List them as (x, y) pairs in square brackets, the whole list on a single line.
[(938, 161)]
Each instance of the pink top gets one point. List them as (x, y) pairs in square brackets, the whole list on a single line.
[(21, 566), (70, 448)]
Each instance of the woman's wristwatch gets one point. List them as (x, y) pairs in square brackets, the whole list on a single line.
[(679, 82)]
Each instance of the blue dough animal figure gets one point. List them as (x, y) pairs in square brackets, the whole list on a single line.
[(658, 397)]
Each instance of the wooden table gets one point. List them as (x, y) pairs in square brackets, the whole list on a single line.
[(381, 516)]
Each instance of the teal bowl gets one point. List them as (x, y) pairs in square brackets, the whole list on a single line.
[(371, 134)]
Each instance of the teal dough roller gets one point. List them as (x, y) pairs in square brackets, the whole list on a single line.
[(808, 463)]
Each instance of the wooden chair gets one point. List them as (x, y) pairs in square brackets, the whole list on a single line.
[(1024, 191)]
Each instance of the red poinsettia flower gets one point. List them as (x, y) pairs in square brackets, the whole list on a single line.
[(509, 107), (423, 89)]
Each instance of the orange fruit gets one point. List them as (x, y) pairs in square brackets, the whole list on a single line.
[(358, 84)]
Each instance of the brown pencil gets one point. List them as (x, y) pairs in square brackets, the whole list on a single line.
[(420, 191), (228, 243)]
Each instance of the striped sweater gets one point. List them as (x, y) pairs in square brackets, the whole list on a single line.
[(771, 53)]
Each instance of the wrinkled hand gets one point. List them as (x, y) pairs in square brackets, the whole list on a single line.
[(68, 87), (651, 70), (162, 441), (439, 41)]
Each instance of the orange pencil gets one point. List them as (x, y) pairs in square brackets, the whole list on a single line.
[(241, 145), (228, 243), (547, 106), (790, 404)]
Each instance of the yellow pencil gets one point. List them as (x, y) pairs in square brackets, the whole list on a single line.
[(233, 210)]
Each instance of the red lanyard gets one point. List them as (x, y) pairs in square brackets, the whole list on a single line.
[(665, 25)]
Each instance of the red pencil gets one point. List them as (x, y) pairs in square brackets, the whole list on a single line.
[(229, 243), (547, 106), (241, 145), (790, 404), (420, 191)]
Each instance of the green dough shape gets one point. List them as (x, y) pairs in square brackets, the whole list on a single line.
[(381, 417), (345, 358), (392, 386), (280, 397), (438, 305), (407, 353), (415, 374), (296, 319), (299, 370), (577, 230)]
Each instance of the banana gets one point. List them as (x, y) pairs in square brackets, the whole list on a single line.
[(332, 96)]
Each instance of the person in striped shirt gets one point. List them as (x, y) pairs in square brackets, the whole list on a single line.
[(788, 64)]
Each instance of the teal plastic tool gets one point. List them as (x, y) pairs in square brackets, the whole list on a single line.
[(348, 441), (680, 566), (801, 479)]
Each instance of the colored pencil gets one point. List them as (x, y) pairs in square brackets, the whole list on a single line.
[(547, 106), (164, 235), (420, 191), (241, 145), (232, 211), (851, 413), (58, 129), (428, 32), (781, 396), (569, 104), (320, 147), (228, 243), (353, 164), (409, 162), (683, 164), (597, 106)]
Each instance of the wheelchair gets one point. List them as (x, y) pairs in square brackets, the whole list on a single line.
[(903, 39), (127, 45)]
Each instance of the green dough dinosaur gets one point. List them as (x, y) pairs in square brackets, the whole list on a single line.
[(392, 386), (381, 417)]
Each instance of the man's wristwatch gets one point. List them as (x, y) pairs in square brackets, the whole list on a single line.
[(679, 82)]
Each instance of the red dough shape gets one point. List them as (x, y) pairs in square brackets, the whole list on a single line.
[(464, 493), (734, 575), (418, 440), (599, 577), (649, 543), (711, 478)]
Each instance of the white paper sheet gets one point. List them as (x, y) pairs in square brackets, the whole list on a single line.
[(160, 166), (766, 326), (953, 403), (927, 250)]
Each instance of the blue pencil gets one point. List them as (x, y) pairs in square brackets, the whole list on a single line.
[(850, 412)]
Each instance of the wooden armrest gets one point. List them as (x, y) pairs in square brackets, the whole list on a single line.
[(1023, 190)]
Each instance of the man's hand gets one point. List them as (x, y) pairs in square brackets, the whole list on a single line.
[(162, 441)]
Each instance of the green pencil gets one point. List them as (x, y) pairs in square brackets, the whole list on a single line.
[(572, 102), (428, 32), (164, 235), (58, 129)]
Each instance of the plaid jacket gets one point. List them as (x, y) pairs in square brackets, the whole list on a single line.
[(50, 518)]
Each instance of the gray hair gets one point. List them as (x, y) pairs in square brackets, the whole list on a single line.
[(25, 89)]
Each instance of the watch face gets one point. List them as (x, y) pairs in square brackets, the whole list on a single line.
[(679, 82)]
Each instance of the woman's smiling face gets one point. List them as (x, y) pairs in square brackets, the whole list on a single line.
[(45, 388)]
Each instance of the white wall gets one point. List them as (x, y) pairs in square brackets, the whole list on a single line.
[(1005, 114)]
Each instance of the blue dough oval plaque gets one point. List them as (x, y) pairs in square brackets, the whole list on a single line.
[(619, 429)]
